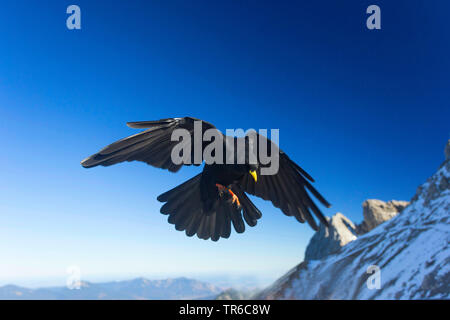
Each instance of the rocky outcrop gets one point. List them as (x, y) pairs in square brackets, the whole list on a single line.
[(409, 256), (376, 212), (329, 240), (341, 231)]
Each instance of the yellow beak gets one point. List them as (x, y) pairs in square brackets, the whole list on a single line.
[(254, 175)]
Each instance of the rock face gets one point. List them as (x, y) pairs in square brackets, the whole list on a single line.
[(376, 212), (327, 241), (410, 253)]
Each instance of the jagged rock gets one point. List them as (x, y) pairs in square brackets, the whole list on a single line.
[(362, 228), (376, 212), (411, 251), (329, 240)]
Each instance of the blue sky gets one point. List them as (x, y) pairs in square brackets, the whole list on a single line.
[(364, 112)]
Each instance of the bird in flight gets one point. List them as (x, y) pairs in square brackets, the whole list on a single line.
[(209, 203)]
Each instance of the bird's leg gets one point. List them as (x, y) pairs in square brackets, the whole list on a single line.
[(235, 198), (223, 189)]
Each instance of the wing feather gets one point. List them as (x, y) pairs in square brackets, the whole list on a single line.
[(152, 146), (288, 189)]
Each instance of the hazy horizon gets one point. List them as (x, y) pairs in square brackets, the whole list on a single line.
[(237, 281)]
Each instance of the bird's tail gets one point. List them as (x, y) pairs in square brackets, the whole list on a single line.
[(185, 208)]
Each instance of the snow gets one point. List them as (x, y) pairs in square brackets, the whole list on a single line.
[(411, 250)]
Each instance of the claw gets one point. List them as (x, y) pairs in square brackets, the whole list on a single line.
[(235, 198)]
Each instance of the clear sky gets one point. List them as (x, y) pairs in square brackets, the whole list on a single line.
[(366, 113)]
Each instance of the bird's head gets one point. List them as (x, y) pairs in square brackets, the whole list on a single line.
[(252, 169)]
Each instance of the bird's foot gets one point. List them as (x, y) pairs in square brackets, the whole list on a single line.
[(234, 198)]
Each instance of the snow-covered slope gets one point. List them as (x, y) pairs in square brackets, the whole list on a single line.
[(411, 251)]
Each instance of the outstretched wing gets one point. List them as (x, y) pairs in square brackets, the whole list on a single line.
[(152, 146), (288, 189)]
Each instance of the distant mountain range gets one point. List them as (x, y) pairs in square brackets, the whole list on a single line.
[(136, 289)]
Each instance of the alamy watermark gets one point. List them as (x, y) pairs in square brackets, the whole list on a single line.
[(73, 281), (213, 147), (73, 22), (374, 280), (374, 20)]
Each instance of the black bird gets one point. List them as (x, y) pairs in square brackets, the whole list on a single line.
[(211, 201)]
